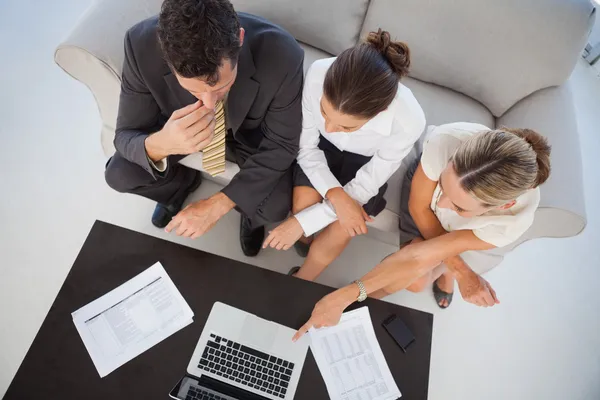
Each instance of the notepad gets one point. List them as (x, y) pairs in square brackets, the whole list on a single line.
[(132, 318), (351, 361)]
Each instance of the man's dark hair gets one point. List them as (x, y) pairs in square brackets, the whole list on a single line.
[(196, 36)]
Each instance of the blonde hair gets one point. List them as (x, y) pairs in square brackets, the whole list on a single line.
[(500, 165)]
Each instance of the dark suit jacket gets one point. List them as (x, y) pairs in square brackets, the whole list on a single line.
[(264, 106)]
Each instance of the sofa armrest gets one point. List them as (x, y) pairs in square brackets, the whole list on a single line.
[(93, 54), (551, 112)]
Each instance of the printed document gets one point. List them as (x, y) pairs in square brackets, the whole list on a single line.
[(132, 318), (351, 361)]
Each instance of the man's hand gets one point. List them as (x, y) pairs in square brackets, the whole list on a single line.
[(329, 309), (351, 215), (285, 235), (476, 290), (189, 130), (200, 217)]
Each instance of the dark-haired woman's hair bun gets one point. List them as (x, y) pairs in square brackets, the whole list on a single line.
[(397, 53), (363, 80)]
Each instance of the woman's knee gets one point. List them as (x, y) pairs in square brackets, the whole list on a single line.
[(304, 197)]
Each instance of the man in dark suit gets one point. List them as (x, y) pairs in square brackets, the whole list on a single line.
[(178, 67)]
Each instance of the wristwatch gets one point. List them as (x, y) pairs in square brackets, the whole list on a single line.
[(362, 295)]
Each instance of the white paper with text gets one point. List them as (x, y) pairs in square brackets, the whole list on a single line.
[(351, 361), (132, 318)]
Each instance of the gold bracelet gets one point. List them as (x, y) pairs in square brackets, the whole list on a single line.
[(362, 295)]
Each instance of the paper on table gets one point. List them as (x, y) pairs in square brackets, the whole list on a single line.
[(132, 318), (351, 361)]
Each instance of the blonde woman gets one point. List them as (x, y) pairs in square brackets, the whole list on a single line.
[(473, 179), (473, 189)]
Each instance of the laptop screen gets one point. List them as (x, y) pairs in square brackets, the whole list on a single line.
[(193, 388)]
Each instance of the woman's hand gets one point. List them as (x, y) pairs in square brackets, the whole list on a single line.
[(351, 215), (285, 235), (329, 309), (476, 290)]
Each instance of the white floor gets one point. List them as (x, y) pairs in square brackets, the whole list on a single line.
[(541, 342)]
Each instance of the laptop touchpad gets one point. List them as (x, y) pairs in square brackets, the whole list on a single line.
[(259, 332)]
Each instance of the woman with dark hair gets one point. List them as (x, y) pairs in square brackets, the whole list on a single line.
[(359, 122)]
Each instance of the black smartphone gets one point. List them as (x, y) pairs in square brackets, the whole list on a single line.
[(399, 332)]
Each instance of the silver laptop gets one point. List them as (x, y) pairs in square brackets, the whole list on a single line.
[(242, 357)]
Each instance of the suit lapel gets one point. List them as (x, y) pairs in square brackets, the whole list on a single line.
[(243, 92)]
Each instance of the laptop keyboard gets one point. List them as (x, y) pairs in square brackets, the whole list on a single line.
[(247, 366), (196, 393)]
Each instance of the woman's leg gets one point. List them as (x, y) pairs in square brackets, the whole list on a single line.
[(328, 245), (425, 281), (304, 197), (417, 286)]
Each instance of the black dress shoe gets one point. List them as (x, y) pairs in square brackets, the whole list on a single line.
[(251, 240), (164, 213), (302, 248)]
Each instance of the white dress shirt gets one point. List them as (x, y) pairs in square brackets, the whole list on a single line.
[(387, 138), (160, 165)]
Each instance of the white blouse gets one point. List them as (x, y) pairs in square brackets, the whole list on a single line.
[(387, 138)]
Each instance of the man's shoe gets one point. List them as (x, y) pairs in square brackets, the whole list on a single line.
[(164, 213), (251, 240), (302, 248)]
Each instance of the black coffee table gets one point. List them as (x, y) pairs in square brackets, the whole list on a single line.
[(57, 366)]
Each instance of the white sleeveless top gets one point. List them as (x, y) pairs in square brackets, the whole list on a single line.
[(497, 227)]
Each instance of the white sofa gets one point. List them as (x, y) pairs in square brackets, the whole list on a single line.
[(486, 61)]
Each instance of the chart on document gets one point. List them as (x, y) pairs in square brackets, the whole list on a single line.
[(131, 318), (351, 361)]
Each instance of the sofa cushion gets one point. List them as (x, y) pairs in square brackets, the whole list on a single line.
[(441, 106), (331, 25), (312, 54), (497, 52)]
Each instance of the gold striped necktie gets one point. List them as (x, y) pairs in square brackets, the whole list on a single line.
[(213, 159)]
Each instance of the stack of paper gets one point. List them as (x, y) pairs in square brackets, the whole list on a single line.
[(350, 359), (132, 318)]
